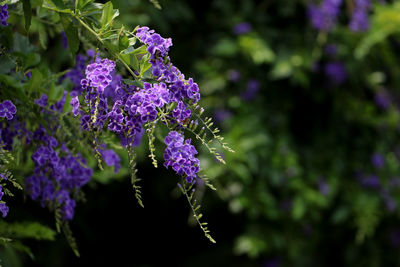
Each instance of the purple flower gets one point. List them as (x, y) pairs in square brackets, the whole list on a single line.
[(331, 49), (180, 155), (222, 115), (99, 74), (75, 105), (111, 159), (7, 109), (181, 112), (323, 187), (3, 209), (383, 99), (336, 72), (359, 21), (28, 74), (377, 160), (162, 68), (156, 44), (241, 28), (64, 40), (390, 202), (394, 236), (323, 17), (253, 86), (68, 209), (42, 101), (371, 181), (234, 75), (4, 15), (57, 174), (272, 263)]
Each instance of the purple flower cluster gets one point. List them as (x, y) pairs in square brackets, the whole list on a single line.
[(222, 115), (383, 99), (125, 109), (359, 21), (111, 159), (57, 174), (7, 110), (162, 68), (252, 88), (180, 155), (99, 75), (323, 187), (324, 16), (42, 101), (4, 14), (58, 106), (11, 129), (241, 28), (331, 49), (3, 206), (336, 72), (371, 181), (234, 76), (377, 160)]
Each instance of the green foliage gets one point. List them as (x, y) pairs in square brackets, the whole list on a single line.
[(188, 190), (22, 230)]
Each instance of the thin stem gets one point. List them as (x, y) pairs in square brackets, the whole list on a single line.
[(102, 42)]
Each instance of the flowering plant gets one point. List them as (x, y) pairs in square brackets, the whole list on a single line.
[(124, 87)]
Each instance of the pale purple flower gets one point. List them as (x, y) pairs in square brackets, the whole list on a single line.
[(241, 28), (7, 110)]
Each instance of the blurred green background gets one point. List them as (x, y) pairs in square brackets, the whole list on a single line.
[(314, 119)]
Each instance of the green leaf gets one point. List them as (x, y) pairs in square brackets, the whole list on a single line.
[(34, 84), (31, 60), (26, 4), (132, 82), (80, 4), (22, 45), (6, 65), (123, 43), (144, 64), (111, 47), (131, 60), (384, 22), (56, 5), (91, 9), (27, 230), (156, 4), (42, 36), (71, 31), (108, 15)]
